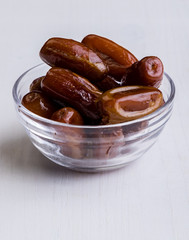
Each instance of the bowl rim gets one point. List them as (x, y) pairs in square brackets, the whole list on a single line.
[(52, 122)]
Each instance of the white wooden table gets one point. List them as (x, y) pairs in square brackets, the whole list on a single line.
[(149, 199)]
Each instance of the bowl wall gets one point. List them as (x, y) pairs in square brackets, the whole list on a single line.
[(91, 148)]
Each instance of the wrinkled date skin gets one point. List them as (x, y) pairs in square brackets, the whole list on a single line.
[(109, 49), (73, 55), (129, 103), (116, 57), (76, 91), (115, 69), (146, 72), (36, 85), (67, 115), (39, 104)]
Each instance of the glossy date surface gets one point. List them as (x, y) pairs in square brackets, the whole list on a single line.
[(67, 115), (129, 103), (39, 104), (76, 91), (147, 72), (36, 84), (110, 49), (73, 55), (95, 82)]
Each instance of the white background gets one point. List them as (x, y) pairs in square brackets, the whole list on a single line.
[(149, 199)]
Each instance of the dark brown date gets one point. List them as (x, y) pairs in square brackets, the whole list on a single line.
[(39, 104), (69, 139), (146, 72), (36, 85), (108, 83), (67, 115), (115, 70), (70, 147), (110, 142), (76, 91), (129, 103), (73, 55), (113, 53)]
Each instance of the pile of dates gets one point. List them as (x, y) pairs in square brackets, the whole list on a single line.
[(94, 82)]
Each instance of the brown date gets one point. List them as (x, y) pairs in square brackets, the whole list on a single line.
[(108, 83), (111, 52), (147, 72), (110, 141), (76, 91), (129, 103), (67, 115), (73, 55), (36, 84), (70, 147), (115, 69), (71, 142), (39, 104)]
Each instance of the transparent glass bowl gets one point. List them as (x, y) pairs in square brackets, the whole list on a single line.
[(91, 148)]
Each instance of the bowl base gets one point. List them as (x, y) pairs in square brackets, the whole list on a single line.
[(93, 169)]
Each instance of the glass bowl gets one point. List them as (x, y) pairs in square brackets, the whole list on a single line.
[(91, 148)]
